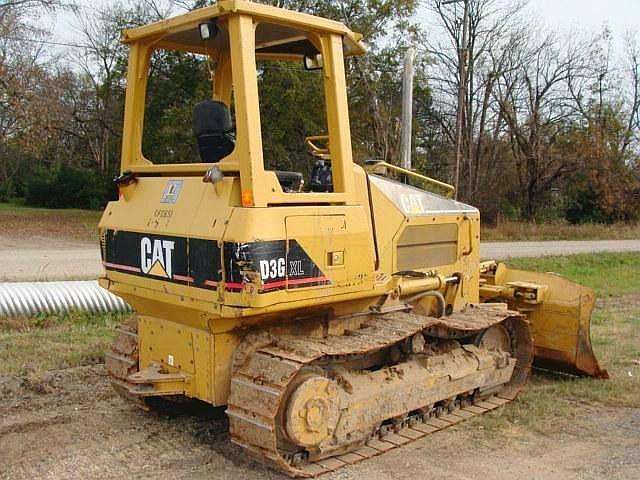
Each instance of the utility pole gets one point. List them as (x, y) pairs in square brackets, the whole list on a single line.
[(462, 86), (407, 108)]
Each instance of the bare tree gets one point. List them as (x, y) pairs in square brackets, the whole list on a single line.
[(536, 104), (631, 79), (99, 63), (102, 62), (605, 139), (494, 27), (27, 4), (20, 75)]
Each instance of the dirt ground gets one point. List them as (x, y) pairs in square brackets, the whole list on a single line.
[(71, 424)]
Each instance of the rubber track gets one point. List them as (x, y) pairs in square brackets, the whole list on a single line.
[(260, 384)]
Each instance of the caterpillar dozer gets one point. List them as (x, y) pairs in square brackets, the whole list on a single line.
[(336, 318)]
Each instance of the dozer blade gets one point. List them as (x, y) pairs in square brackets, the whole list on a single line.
[(559, 311)]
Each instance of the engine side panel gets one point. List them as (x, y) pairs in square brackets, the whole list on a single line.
[(419, 231)]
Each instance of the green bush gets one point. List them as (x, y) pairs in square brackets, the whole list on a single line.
[(583, 207), (7, 191), (68, 187)]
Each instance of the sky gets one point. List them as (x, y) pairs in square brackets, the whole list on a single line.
[(566, 15), (619, 15)]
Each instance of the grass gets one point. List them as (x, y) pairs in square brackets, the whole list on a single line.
[(552, 403), (522, 231), (609, 274), (20, 222), (555, 403), (51, 342)]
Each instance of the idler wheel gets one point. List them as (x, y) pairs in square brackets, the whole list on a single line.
[(496, 338), (312, 412)]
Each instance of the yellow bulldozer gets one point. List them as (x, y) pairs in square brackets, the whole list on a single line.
[(336, 318)]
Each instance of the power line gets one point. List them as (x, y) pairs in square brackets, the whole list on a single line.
[(44, 42)]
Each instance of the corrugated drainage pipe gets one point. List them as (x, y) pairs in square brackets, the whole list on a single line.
[(31, 298)]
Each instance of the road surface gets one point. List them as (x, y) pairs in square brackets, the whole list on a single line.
[(43, 259)]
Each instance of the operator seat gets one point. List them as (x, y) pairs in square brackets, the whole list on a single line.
[(212, 129), (321, 179)]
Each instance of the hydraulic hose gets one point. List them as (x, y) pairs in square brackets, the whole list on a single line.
[(442, 303)]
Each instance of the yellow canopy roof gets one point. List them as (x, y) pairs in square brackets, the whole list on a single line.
[(282, 37)]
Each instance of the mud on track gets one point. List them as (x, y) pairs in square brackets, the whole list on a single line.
[(70, 424)]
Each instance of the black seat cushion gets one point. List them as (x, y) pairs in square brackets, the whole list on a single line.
[(212, 128), (214, 147)]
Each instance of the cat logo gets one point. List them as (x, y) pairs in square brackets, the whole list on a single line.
[(412, 203), (155, 257)]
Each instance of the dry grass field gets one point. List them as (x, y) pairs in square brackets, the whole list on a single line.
[(521, 231), (21, 223)]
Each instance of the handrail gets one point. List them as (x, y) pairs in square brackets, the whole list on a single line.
[(315, 150), (449, 189)]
